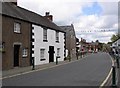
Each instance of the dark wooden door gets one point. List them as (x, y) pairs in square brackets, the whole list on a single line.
[(16, 55), (51, 53)]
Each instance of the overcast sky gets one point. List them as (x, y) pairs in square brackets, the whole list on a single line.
[(89, 17)]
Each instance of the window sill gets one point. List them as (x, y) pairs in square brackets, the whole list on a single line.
[(42, 59), (25, 56), (57, 56), (45, 40), (17, 32), (57, 41)]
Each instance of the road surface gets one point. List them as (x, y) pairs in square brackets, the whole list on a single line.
[(90, 71)]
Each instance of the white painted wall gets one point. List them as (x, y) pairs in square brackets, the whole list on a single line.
[(39, 44), (115, 44)]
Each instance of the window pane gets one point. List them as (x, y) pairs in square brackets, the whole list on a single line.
[(58, 51), (17, 27), (24, 52), (44, 34), (42, 53), (57, 36)]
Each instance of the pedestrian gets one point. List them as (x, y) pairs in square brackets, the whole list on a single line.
[(113, 53), (77, 55)]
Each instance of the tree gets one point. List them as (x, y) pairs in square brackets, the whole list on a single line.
[(114, 37), (97, 41)]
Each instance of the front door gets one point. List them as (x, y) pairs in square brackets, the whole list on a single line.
[(16, 55), (51, 53)]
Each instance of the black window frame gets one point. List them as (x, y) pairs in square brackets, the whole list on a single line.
[(57, 36), (45, 35)]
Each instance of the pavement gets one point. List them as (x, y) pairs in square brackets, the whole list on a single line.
[(89, 71), (117, 73), (22, 70)]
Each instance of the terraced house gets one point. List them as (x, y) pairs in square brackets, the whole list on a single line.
[(28, 38), (70, 41)]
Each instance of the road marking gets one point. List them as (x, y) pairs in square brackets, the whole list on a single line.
[(42, 68), (106, 79)]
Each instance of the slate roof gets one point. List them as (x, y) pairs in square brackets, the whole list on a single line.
[(67, 29), (9, 9)]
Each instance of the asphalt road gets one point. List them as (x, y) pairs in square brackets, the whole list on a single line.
[(90, 71)]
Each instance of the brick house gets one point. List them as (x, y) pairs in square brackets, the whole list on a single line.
[(15, 44), (89, 46)]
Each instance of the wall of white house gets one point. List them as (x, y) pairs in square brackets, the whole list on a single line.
[(51, 41), (117, 43)]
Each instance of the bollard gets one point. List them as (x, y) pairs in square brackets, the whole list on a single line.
[(56, 60), (117, 61), (81, 55), (113, 76), (33, 64), (69, 58), (77, 56)]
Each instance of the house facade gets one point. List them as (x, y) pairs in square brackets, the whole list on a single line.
[(23, 34), (15, 44), (89, 46), (48, 44), (116, 45), (70, 40)]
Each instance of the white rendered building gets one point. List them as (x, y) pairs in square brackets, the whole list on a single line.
[(48, 44)]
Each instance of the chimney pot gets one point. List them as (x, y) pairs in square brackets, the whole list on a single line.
[(47, 13), (48, 16)]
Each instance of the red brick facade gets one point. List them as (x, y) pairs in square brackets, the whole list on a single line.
[(10, 38)]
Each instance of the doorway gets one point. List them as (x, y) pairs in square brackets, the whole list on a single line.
[(16, 55), (51, 53)]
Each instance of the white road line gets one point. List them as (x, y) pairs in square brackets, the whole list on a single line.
[(106, 79)]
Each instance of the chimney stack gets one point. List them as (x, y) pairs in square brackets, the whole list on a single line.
[(47, 13), (48, 16), (15, 3), (11, 1)]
